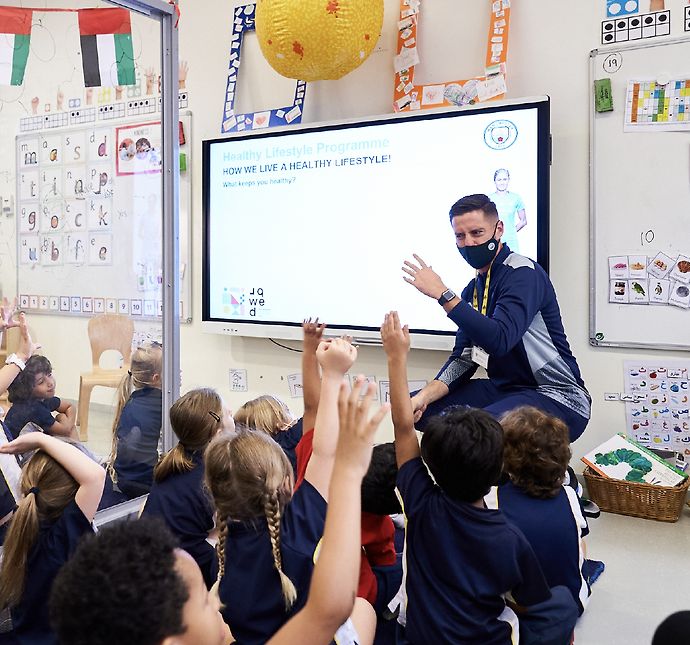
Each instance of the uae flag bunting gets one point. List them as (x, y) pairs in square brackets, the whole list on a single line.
[(15, 34), (106, 47)]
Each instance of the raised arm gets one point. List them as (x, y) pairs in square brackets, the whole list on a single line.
[(25, 349), (396, 343), (88, 474), (329, 604), (335, 357), (311, 375)]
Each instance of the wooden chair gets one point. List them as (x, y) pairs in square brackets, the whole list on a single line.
[(107, 331)]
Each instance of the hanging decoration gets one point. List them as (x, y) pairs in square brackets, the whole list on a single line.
[(106, 47), (319, 39), (408, 96), (15, 37), (243, 21)]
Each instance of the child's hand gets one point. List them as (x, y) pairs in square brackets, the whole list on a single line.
[(396, 339), (312, 331), (27, 347), (6, 313), (336, 356), (356, 438), (24, 443)]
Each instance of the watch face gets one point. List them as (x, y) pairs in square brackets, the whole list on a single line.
[(447, 296)]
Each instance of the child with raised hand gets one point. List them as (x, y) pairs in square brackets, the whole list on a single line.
[(178, 495), (536, 453), (137, 424), (462, 559), (268, 536), (61, 488), (171, 603), (32, 394)]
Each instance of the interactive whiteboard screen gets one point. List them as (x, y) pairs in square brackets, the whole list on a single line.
[(317, 221)]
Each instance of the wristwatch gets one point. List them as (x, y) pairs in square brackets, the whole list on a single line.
[(446, 297), (13, 359)]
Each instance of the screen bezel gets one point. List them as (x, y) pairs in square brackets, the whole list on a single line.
[(427, 339)]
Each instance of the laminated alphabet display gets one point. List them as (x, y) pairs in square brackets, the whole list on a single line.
[(658, 415), (408, 96), (243, 21), (89, 220)]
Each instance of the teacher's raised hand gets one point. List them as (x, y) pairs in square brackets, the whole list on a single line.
[(423, 278)]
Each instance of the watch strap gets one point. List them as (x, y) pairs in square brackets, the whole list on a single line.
[(13, 359)]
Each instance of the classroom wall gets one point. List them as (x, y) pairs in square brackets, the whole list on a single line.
[(548, 55)]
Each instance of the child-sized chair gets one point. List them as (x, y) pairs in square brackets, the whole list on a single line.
[(107, 331)]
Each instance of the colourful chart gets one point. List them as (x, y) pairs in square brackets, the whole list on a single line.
[(649, 103)]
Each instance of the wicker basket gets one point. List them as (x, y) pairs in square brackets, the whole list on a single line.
[(662, 503)]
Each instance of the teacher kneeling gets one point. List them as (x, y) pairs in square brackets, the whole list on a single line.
[(508, 322)]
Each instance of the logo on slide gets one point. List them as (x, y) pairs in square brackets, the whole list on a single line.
[(233, 301), (500, 134)]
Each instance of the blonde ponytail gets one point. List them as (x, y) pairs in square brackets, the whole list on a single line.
[(220, 553), (174, 461), (145, 364), (272, 512)]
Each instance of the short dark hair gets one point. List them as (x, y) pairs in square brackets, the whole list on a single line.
[(20, 389), (476, 202), (536, 450), (463, 448), (121, 586), (378, 485)]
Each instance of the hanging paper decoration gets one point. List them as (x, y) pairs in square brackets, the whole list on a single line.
[(317, 40), (15, 35), (244, 21), (408, 96), (106, 47)]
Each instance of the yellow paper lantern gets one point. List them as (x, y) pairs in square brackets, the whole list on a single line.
[(317, 40)]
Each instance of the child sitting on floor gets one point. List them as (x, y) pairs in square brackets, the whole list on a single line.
[(130, 584), (462, 559), (137, 424), (32, 394), (536, 452)]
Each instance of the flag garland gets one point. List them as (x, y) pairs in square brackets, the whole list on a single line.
[(106, 47), (15, 38)]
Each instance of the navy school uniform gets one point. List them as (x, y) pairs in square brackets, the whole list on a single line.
[(183, 504), (250, 589), (138, 432), (7, 502), (55, 545), (39, 411), (288, 440), (554, 528), (461, 561)]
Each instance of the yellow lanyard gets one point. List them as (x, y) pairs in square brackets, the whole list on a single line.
[(485, 293)]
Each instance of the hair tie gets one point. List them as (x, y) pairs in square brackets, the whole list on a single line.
[(34, 490), (129, 372)]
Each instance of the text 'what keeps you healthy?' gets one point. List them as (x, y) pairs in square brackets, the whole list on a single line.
[(254, 167)]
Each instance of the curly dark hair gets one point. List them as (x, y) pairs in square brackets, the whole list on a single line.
[(536, 450), (20, 389), (378, 485), (463, 448), (120, 586)]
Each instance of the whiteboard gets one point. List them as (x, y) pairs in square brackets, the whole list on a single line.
[(89, 235), (639, 204)]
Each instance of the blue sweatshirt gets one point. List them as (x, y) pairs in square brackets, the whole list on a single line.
[(522, 333)]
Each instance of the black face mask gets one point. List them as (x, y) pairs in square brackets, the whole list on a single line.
[(482, 254)]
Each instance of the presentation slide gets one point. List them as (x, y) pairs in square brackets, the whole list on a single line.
[(318, 223)]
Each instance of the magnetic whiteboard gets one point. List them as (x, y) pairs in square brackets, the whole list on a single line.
[(640, 200), (89, 219)]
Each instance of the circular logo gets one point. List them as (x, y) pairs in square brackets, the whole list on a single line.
[(500, 134), (492, 246)]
